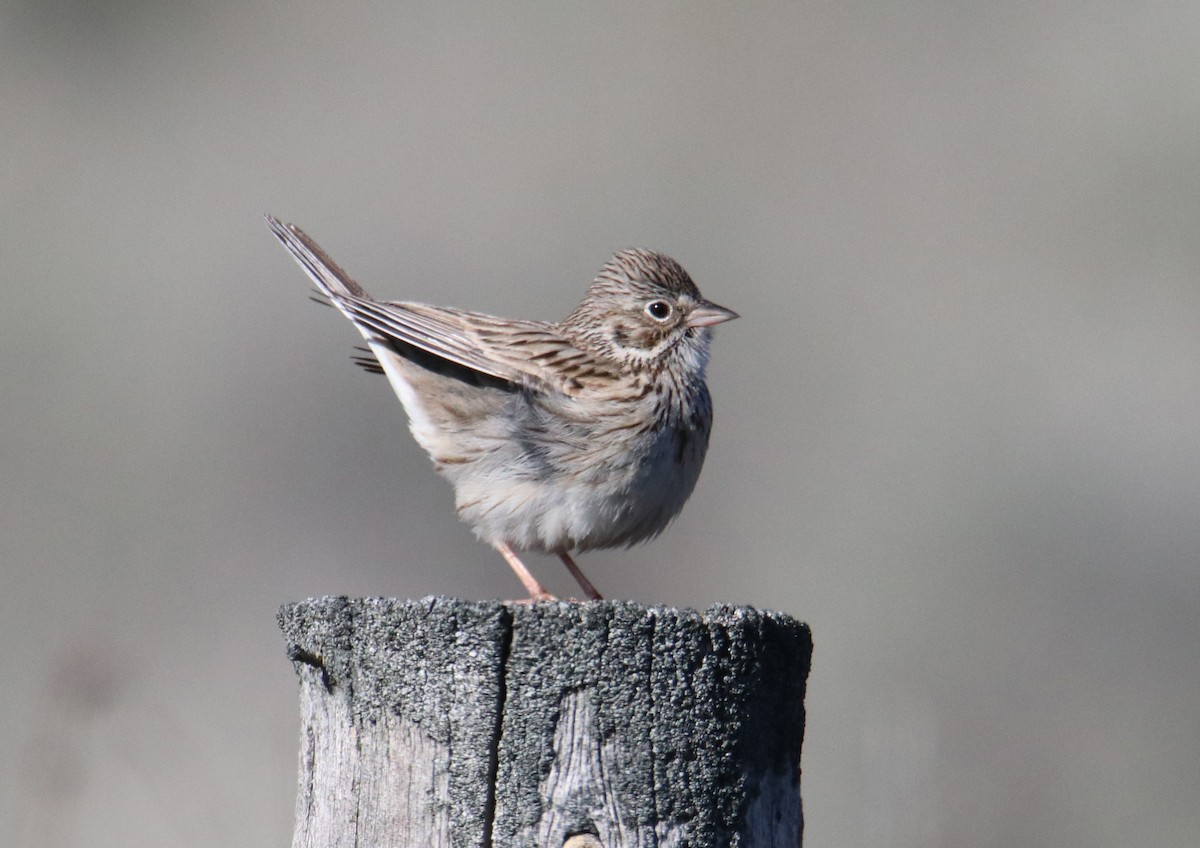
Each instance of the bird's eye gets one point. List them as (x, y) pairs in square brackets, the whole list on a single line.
[(659, 310)]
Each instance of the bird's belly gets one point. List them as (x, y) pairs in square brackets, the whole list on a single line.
[(536, 482), (617, 503)]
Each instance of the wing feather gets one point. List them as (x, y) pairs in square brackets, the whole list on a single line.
[(529, 353)]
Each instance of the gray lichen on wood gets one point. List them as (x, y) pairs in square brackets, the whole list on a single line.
[(442, 722)]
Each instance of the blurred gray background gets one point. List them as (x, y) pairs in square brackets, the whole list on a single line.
[(956, 425)]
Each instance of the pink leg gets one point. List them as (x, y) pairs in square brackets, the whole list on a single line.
[(534, 588), (584, 583)]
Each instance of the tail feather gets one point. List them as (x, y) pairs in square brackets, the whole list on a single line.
[(367, 360), (330, 279), (394, 329)]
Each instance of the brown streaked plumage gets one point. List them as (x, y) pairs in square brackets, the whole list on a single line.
[(585, 434)]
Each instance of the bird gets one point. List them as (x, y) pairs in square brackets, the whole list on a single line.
[(558, 438)]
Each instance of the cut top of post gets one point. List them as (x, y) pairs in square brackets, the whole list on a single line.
[(634, 725)]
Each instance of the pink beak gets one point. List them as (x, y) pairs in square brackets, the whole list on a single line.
[(707, 314)]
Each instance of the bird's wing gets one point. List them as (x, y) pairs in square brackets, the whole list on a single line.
[(528, 353), (540, 353)]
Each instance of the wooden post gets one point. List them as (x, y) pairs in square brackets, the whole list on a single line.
[(452, 723)]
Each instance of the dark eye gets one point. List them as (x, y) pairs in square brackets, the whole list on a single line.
[(659, 310)]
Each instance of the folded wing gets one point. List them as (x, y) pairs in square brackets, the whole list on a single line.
[(527, 353)]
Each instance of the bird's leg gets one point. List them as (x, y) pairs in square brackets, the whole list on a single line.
[(584, 583), (534, 588)]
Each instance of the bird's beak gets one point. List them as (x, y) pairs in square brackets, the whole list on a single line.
[(707, 314)]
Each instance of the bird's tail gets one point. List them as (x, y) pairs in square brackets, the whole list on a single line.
[(330, 279)]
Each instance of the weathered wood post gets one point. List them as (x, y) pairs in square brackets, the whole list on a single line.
[(451, 723)]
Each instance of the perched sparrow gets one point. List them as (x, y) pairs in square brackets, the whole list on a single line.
[(589, 433)]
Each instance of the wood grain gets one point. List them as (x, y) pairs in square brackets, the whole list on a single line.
[(450, 723)]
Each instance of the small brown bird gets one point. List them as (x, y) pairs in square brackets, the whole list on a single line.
[(589, 433)]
